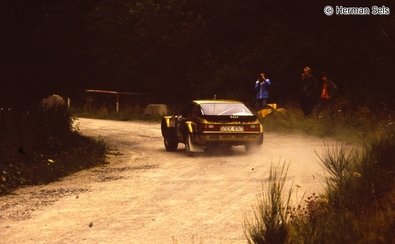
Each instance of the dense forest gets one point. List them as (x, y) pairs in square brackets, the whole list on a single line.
[(176, 50)]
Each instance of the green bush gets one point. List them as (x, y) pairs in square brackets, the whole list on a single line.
[(270, 216), (356, 179), (339, 164), (39, 146), (356, 207), (319, 224), (352, 126)]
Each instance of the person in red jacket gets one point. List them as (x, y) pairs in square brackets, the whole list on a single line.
[(328, 90)]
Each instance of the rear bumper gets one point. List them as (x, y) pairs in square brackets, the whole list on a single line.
[(227, 138)]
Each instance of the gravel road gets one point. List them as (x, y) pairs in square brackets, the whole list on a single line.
[(147, 195)]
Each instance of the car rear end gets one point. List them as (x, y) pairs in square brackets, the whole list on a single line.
[(228, 131), (227, 123)]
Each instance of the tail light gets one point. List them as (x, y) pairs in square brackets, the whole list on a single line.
[(209, 127), (253, 127)]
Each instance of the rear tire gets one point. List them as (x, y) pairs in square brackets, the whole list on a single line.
[(260, 140), (248, 147), (253, 146), (170, 140)]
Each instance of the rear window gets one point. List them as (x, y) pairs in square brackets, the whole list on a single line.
[(225, 109)]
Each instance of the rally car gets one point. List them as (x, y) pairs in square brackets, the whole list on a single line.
[(205, 123)]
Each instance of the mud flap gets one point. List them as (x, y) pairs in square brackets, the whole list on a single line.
[(193, 147)]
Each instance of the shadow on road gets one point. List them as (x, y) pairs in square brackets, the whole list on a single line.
[(217, 151)]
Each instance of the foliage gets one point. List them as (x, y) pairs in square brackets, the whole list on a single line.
[(202, 47), (350, 124), (269, 223), (317, 223), (356, 207), (123, 115), (40, 146), (357, 179)]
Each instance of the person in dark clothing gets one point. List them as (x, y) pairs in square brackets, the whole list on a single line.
[(309, 91), (261, 91)]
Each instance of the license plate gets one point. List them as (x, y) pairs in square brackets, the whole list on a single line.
[(232, 128)]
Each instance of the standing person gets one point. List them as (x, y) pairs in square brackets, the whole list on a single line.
[(309, 90), (327, 92), (261, 91)]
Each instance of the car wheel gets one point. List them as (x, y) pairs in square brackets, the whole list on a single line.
[(254, 146), (251, 147), (248, 147), (170, 140), (188, 143), (260, 140)]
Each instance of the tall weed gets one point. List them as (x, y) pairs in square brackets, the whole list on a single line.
[(351, 127), (270, 215), (356, 207)]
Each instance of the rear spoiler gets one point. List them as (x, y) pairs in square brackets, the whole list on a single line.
[(240, 118)]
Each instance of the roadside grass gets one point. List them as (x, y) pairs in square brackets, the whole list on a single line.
[(356, 179), (359, 126), (357, 205), (38, 146), (270, 216), (123, 115)]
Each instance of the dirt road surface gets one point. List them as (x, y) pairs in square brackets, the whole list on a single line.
[(147, 195)]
